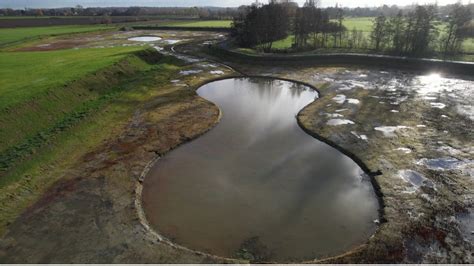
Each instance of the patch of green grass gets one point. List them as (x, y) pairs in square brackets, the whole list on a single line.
[(284, 43), (468, 45), (58, 89), (41, 71), (362, 23), (205, 23), (14, 35), (94, 122)]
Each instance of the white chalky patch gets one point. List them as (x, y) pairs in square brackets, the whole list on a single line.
[(334, 115), (404, 150), (217, 72), (338, 122), (362, 137), (438, 105), (389, 131), (189, 72), (209, 65), (340, 98), (353, 101)]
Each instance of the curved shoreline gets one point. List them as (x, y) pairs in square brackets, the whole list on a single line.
[(154, 233), (349, 59)]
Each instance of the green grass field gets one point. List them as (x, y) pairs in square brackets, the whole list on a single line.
[(43, 17), (41, 71), (468, 45), (205, 23), (56, 89), (362, 23), (14, 35)]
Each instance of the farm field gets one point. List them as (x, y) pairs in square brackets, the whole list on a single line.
[(360, 23), (45, 21), (205, 24), (12, 35)]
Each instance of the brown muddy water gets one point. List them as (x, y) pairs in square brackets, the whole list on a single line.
[(257, 186)]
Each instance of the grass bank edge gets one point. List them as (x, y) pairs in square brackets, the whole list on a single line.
[(52, 161)]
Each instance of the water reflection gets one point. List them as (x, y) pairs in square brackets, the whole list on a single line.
[(257, 174)]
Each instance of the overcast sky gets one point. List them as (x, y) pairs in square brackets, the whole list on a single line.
[(222, 3)]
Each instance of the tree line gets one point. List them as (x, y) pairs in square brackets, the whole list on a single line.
[(421, 31), (312, 27), (191, 12)]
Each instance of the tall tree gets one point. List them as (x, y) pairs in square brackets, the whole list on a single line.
[(260, 26), (458, 20), (340, 18), (379, 35), (397, 29), (421, 30)]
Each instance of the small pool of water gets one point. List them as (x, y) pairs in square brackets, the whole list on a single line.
[(145, 39), (257, 186)]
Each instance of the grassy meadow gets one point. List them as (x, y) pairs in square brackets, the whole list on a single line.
[(42, 71), (204, 24), (56, 89)]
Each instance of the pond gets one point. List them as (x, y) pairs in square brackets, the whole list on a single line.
[(257, 186)]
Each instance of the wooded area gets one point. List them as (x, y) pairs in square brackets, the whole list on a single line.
[(418, 32)]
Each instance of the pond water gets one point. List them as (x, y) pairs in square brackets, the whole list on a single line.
[(145, 39), (257, 186)]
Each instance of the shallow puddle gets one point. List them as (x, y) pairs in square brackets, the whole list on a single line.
[(145, 39), (257, 186)]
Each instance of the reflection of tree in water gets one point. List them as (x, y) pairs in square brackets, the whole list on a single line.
[(296, 89), (268, 88), (271, 89)]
